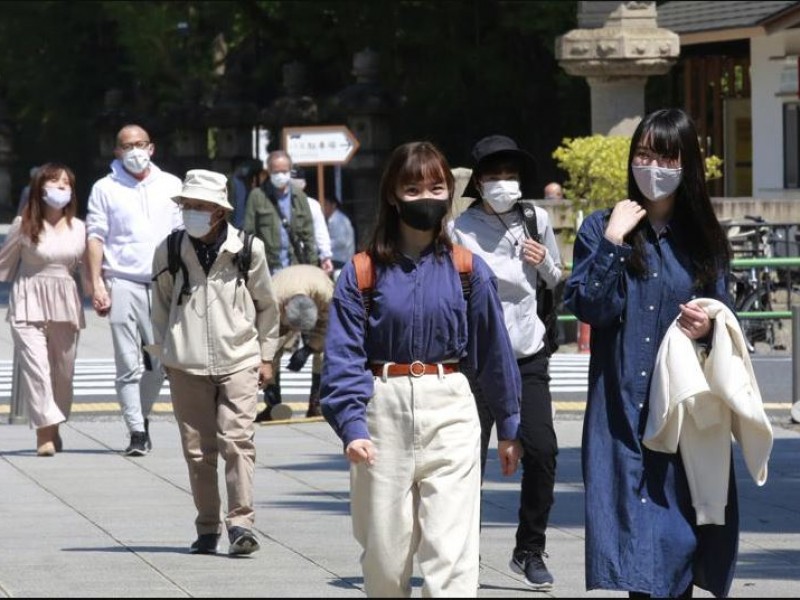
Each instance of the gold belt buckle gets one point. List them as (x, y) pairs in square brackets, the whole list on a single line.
[(417, 364)]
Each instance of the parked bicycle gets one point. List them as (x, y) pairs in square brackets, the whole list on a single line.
[(764, 288)]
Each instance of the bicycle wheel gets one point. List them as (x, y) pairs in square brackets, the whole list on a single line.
[(757, 330)]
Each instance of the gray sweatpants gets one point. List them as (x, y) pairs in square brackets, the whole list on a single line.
[(137, 383)]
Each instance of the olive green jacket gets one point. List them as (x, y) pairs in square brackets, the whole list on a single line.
[(262, 219)]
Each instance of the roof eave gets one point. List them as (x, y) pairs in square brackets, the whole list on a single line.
[(785, 19), (721, 35)]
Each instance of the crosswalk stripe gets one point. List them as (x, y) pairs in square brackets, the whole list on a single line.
[(95, 377)]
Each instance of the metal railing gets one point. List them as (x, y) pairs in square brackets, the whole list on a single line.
[(793, 313), (739, 264)]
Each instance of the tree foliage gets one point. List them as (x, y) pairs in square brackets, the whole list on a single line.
[(458, 70)]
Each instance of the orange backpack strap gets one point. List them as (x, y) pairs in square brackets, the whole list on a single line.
[(365, 277), (462, 259), (365, 273)]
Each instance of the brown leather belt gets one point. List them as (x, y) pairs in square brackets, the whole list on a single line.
[(415, 369)]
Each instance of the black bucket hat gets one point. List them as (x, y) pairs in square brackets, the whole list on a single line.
[(494, 145)]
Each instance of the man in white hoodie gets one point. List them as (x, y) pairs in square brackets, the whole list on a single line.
[(130, 212)]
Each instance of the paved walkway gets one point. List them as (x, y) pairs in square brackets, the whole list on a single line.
[(91, 522)]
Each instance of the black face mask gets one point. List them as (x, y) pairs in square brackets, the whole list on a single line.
[(424, 214)]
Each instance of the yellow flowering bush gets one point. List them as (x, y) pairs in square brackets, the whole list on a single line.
[(597, 170)]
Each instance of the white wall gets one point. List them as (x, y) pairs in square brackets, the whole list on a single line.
[(765, 79)]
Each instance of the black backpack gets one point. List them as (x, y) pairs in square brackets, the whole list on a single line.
[(545, 297), (242, 259)]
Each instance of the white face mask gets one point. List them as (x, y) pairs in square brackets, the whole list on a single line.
[(136, 160), (501, 195), (197, 222), (56, 197), (657, 183), (280, 180)]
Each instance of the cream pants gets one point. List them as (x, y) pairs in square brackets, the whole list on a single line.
[(422, 495), (215, 416), (46, 354)]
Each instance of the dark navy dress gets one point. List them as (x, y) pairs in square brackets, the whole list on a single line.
[(640, 524)]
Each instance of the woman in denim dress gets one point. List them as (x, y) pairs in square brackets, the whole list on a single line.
[(637, 268)]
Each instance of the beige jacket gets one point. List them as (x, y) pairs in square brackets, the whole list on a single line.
[(222, 327), (698, 401), (312, 282)]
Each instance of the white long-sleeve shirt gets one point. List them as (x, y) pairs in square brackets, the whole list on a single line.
[(321, 234), (131, 217), (698, 402), (499, 243)]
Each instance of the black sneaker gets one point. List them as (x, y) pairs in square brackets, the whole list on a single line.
[(530, 563), (242, 540), (148, 443), (138, 445), (206, 543), (277, 412), (264, 415)]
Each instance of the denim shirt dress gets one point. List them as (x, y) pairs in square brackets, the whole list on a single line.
[(641, 532)]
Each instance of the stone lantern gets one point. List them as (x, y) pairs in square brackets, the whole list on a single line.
[(366, 107), (617, 59), (189, 139), (294, 108)]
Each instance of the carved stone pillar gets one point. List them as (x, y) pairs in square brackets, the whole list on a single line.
[(231, 123), (365, 106), (617, 59), (294, 108), (188, 140)]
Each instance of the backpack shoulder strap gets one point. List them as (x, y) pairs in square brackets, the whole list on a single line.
[(174, 240), (462, 259), (175, 262), (365, 277), (529, 217), (244, 257)]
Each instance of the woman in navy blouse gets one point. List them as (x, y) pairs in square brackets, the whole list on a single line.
[(636, 268), (393, 390)]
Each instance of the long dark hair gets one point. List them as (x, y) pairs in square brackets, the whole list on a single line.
[(33, 213), (672, 134), (413, 161)]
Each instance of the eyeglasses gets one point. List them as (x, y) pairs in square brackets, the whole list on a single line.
[(140, 145), (645, 156)]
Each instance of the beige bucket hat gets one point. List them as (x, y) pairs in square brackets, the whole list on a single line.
[(208, 186)]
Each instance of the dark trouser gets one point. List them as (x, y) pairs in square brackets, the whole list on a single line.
[(272, 393), (538, 438)]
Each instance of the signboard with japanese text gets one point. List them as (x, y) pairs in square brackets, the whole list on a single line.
[(322, 145)]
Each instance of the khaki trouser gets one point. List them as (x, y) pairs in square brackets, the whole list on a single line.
[(422, 495), (216, 415), (46, 354)]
